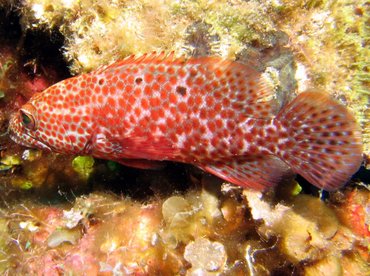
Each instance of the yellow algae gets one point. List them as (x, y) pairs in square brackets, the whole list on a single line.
[(83, 165)]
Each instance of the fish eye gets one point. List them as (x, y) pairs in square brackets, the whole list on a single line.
[(27, 120)]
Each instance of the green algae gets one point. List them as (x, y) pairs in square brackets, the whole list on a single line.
[(11, 160), (26, 185), (83, 165), (22, 183)]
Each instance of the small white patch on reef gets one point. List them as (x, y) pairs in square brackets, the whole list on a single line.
[(72, 217), (205, 256), (301, 77), (68, 3), (28, 225), (38, 10)]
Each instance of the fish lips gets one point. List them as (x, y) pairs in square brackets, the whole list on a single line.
[(22, 137)]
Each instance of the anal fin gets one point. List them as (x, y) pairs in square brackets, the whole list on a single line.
[(257, 172)]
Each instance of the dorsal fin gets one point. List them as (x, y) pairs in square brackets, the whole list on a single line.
[(146, 58)]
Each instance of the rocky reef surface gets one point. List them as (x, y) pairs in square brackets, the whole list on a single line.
[(77, 215)]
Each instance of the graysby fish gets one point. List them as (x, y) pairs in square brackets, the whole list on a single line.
[(216, 114)]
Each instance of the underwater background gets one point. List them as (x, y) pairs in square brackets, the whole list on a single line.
[(83, 216)]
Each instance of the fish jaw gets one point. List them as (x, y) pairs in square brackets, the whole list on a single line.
[(18, 134)]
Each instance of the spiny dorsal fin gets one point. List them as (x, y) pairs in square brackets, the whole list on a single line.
[(146, 58)]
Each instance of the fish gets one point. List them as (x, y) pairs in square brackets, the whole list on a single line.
[(214, 113)]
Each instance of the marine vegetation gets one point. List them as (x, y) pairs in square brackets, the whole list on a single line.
[(304, 64)]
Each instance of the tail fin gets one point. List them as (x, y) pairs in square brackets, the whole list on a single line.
[(324, 143)]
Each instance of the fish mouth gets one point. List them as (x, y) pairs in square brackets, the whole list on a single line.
[(25, 139), (31, 142)]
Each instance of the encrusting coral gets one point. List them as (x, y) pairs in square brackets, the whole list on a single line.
[(202, 231), (210, 229)]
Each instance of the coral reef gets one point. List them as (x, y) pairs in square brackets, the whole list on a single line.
[(62, 214), (202, 231), (309, 230)]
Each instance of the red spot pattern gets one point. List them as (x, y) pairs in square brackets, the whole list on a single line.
[(200, 121), (206, 111)]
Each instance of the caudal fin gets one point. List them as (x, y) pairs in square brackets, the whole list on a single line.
[(324, 141)]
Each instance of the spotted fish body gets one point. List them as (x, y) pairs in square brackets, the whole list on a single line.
[(216, 114)]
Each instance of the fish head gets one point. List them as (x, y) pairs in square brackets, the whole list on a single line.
[(23, 128), (43, 122)]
